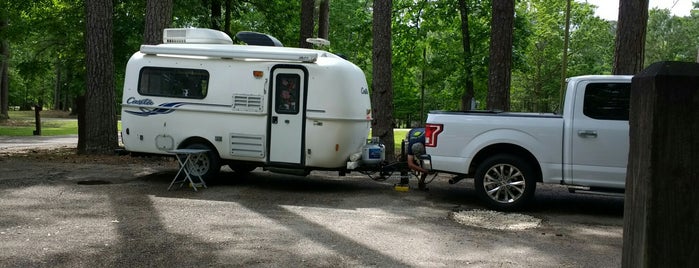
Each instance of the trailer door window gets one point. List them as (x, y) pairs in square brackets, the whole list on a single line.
[(173, 82), (287, 93), (607, 101)]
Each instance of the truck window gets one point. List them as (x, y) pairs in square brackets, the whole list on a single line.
[(607, 101), (173, 82)]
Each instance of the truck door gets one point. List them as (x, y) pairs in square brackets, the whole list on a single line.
[(600, 135), (287, 115)]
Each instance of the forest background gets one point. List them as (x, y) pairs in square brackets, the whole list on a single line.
[(43, 43)]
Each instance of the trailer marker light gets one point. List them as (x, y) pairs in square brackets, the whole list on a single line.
[(257, 74), (337, 147)]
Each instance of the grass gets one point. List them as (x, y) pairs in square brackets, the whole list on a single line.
[(53, 123), (398, 136), (56, 123), (48, 128)]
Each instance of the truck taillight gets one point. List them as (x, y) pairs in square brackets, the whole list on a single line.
[(431, 133)]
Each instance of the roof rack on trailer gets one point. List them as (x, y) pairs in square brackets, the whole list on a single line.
[(231, 51)]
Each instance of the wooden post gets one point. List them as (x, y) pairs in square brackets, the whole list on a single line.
[(37, 120), (661, 207)]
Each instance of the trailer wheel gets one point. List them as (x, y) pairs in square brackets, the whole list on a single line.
[(505, 182), (206, 165)]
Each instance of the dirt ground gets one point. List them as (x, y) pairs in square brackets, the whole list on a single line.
[(59, 209)]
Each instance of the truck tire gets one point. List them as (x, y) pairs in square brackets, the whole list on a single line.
[(505, 182), (207, 165)]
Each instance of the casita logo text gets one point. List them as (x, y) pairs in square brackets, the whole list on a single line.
[(133, 100)]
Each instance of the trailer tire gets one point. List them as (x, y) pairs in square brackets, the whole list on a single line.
[(206, 165), (505, 182)]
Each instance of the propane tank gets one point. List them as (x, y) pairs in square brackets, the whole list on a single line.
[(373, 153)]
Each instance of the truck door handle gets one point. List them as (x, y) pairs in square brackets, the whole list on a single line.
[(275, 119), (587, 133)]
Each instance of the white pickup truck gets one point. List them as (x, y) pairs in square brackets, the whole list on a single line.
[(585, 147)]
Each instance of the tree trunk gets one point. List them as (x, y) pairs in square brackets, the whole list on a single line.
[(227, 18), (500, 65), (57, 88), (324, 19), (382, 84), (4, 71), (566, 42), (216, 14), (630, 37), (158, 17), (4, 79), (100, 125), (307, 7), (468, 94)]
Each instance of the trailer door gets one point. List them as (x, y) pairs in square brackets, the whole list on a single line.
[(287, 116)]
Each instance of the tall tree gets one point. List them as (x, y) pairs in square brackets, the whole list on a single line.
[(4, 66), (158, 17), (630, 37), (227, 18), (382, 83), (307, 25), (324, 19), (216, 14), (468, 93), (500, 65), (4, 78), (100, 124)]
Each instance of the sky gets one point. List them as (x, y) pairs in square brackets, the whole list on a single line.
[(609, 9)]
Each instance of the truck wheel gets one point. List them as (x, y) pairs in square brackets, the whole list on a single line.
[(206, 165), (505, 182)]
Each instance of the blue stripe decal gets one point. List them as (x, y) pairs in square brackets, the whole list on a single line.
[(166, 109)]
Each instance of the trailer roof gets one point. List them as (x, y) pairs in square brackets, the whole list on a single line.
[(233, 51)]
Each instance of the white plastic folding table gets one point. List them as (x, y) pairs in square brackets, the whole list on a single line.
[(187, 158)]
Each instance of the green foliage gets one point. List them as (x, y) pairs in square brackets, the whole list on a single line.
[(536, 84), (671, 38), (47, 46)]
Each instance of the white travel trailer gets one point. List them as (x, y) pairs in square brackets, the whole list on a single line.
[(284, 109)]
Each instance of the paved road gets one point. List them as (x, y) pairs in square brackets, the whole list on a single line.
[(30, 142)]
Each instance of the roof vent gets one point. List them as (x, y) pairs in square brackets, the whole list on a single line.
[(258, 39), (195, 36)]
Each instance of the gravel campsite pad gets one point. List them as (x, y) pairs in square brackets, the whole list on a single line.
[(60, 209), (495, 220)]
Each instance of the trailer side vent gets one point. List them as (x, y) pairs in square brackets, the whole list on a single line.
[(247, 103), (247, 145)]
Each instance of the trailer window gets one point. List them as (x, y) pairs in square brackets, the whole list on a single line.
[(173, 82), (287, 93), (607, 101)]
